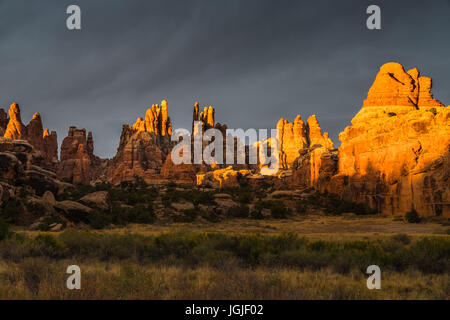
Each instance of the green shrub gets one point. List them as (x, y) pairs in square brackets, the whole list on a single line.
[(412, 216), (402, 238), (301, 207), (141, 214), (195, 196), (188, 215), (11, 208), (4, 229), (241, 211), (99, 220), (277, 208), (256, 214)]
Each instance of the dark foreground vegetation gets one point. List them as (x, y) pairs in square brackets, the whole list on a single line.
[(193, 265), (192, 249)]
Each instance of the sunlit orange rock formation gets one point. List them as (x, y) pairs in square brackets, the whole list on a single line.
[(296, 136), (395, 155), (43, 141), (143, 147)]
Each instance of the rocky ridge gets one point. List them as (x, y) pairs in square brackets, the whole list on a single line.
[(394, 157)]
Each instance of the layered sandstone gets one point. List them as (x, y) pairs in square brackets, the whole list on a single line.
[(143, 147), (44, 143), (395, 155), (77, 157), (295, 137), (50, 149)]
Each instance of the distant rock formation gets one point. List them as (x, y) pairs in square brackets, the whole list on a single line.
[(143, 147), (44, 142), (78, 162), (51, 149), (395, 155), (295, 137), (15, 128), (18, 170)]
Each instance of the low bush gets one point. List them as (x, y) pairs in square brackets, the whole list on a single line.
[(277, 208), (4, 229), (412, 216), (241, 211)]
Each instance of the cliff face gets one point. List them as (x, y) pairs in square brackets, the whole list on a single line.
[(395, 155)]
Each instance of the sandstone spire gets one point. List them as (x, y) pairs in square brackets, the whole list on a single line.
[(35, 132), (50, 149), (207, 117), (76, 157), (315, 134), (293, 137), (156, 121), (15, 129)]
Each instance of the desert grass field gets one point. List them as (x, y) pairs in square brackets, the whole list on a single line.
[(302, 257)]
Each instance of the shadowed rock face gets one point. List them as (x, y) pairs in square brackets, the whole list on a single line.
[(395, 155), (78, 162), (143, 147), (3, 121)]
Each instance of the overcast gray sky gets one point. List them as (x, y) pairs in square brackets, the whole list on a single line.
[(253, 60)]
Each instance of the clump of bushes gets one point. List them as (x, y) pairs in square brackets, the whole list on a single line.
[(140, 213), (241, 211), (190, 215), (10, 209), (48, 221), (4, 229), (277, 208), (333, 204), (412, 216), (195, 196)]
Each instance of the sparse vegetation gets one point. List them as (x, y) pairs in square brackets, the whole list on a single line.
[(4, 229), (121, 266), (427, 255)]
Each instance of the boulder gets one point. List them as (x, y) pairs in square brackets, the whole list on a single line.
[(97, 200), (73, 210), (181, 206)]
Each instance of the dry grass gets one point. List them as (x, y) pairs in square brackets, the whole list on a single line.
[(43, 278), (37, 279), (310, 226)]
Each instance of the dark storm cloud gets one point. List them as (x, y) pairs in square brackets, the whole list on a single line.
[(254, 61)]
